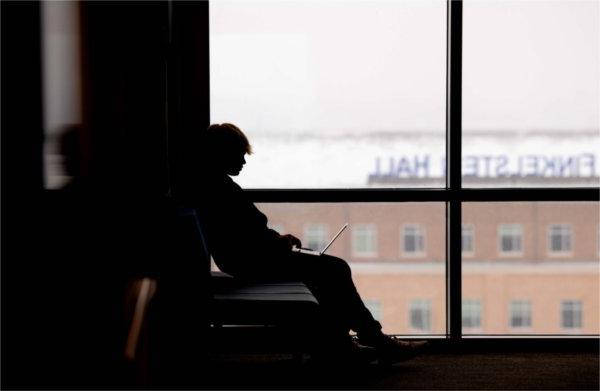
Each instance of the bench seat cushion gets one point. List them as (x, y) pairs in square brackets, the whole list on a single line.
[(248, 303)]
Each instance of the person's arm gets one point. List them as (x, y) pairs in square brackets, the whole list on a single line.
[(291, 241), (258, 223), (287, 241)]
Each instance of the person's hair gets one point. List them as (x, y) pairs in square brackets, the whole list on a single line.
[(225, 136)]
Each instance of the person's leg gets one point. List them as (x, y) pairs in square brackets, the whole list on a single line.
[(330, 280)]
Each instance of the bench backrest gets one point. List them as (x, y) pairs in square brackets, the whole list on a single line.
[(192, 248)]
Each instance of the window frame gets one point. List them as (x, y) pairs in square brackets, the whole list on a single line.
[(279, 228), (372, 230), (510, 227), (529, 305), (473, 330), (423, 236), (323, 228), (470, 253), (375, 307), (426, 307), (560, 253), (190, 110), (562, 319)]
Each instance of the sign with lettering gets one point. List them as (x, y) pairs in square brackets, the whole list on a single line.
[(488, 166)]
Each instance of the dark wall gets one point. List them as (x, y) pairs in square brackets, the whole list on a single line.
[(125, 46), (189, 90), (21, 168), (67, 255)]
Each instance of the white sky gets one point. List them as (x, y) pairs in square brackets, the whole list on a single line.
[(338, 67)]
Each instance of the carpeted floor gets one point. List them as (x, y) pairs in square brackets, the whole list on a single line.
[(468, 371)]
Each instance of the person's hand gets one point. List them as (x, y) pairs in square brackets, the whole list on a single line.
[(290, 241)]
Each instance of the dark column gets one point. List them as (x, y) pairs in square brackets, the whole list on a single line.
[(453, 168), (22, 181)]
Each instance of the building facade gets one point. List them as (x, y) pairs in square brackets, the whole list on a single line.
[(528, 267)]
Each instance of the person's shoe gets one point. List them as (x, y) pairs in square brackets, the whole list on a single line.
[(391, 350)]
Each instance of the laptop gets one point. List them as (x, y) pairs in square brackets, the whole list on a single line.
[(313, 252)]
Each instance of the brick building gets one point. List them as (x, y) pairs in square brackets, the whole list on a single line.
[(528, 267)]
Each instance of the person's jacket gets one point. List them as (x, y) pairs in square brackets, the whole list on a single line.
[(237, 232)]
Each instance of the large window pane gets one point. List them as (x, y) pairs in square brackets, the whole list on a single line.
[(333, 94), (531, 93), (406, 293), (535, 290)]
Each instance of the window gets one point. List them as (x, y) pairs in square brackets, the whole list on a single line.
[(471, 314), (510, 239), (559, 238), (374, 306), (519, 127), (537, 275), (364, 240), (467, 243), (520, 314), (420, 315), (315, 236), (558, 150), (277, 227), (571, 312), (413, 240), (313, 87)]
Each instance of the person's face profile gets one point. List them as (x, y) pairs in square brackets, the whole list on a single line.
[(234, 162)]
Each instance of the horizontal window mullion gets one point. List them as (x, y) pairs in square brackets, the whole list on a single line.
[(347, 195), (424, 195)]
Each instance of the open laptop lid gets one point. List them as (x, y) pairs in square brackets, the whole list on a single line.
[(334, 238)]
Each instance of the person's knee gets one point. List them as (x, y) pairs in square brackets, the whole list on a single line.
[(339, 267)]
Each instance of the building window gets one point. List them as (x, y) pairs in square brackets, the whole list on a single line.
[(315, 236), (467, 239), (510, 239), (420, 315), (277, 227), (413, 240), (374, 306), (471, 314), (520, 314), (571, 312), (364, 240), (560, 238)]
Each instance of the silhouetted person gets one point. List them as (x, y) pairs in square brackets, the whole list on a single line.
[(242, 245)]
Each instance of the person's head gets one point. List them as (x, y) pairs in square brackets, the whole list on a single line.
[(227, 146)]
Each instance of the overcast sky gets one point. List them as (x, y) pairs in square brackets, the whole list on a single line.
[(364, 66)]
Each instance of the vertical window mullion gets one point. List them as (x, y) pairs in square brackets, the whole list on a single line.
[(453, 169)]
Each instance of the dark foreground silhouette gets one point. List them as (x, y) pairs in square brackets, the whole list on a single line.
[(242, 245)]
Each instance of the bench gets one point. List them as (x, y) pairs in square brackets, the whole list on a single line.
[(237, 302), (190, 311), (267, 304)]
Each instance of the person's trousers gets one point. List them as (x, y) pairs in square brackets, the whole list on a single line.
[(330, 280)]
